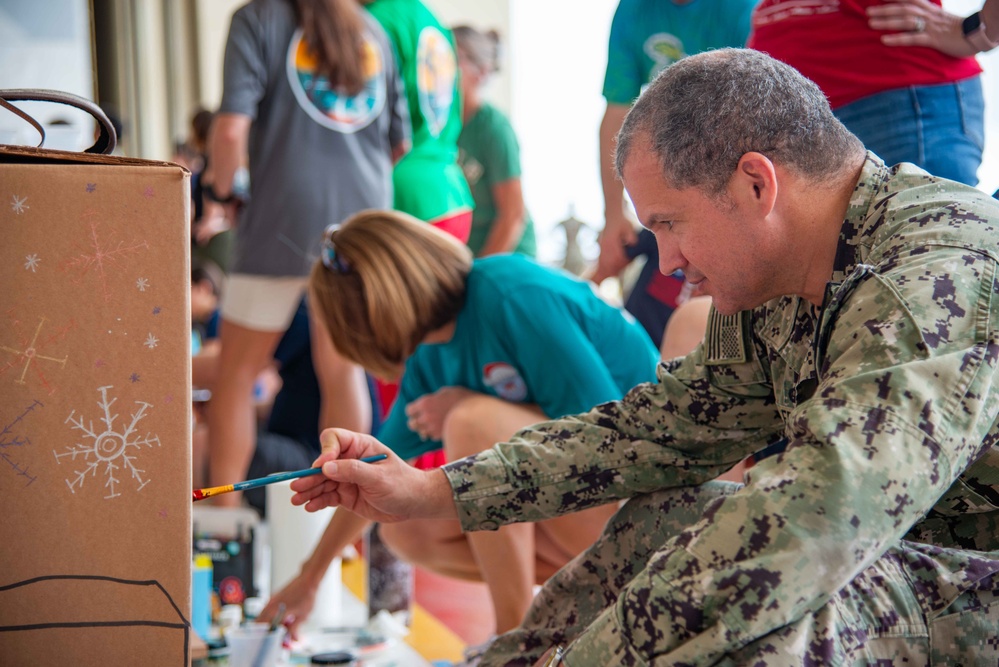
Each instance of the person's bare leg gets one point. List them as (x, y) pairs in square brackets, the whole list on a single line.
[(559, 540), (231, 428), (434, 545), (346, 402), (505, 557), (685, 328), (514, 558)]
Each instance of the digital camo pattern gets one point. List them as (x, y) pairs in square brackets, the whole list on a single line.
[(873, 539)]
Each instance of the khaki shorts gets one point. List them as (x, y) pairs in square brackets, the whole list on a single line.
[(263, 303)]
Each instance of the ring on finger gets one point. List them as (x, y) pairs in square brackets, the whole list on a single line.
[(920, 24)]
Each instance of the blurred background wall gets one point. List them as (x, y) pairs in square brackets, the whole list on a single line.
[(153, 62)]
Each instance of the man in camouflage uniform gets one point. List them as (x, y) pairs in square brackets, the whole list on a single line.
[(855, 316)]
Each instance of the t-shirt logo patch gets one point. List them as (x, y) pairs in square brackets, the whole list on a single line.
[(436, 73), (327, 106), (471, 167), (505, 381), (663, 49)]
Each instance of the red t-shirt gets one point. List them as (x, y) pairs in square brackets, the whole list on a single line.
[(829, 42)]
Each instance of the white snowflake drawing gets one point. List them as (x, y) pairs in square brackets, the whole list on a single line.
[(31, 262), (142, 284), (151, 341), (106, 451), (19, 204)]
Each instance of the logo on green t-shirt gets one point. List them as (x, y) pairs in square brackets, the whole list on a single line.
[(436, 72)]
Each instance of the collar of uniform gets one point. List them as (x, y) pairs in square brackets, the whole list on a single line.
[(862, 220)]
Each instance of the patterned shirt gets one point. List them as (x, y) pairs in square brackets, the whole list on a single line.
[(887, 394)]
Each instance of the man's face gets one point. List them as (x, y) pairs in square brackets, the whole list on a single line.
[(724, 248)]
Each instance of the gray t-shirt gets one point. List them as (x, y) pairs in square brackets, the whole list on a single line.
[(316, 155)]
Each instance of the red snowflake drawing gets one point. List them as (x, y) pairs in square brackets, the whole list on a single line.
[(102, 255)]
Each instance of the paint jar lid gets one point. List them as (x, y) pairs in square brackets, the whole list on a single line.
[(252, 608), (333, 658), (230, 616)]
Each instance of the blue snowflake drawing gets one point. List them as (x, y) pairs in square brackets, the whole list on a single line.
[(10, 441)]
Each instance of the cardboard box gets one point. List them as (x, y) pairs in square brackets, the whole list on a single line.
[(95, 410)]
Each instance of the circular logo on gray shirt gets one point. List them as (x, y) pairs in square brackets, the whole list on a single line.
[(328, 106)]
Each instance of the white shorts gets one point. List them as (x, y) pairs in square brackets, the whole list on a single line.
[(263, 303)]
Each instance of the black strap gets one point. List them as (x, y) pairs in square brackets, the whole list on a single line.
[(105, 142)]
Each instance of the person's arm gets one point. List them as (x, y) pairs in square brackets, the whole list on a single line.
[(499, 153), (244, 84), (508, 225), (387, 491), (619, 231), (299, 595), (692, 425), (343, 386), (227, 152), (623, 81), (941, 30), (896, 419)]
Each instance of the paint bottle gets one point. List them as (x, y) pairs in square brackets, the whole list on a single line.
[(201, 595), (389, 579)]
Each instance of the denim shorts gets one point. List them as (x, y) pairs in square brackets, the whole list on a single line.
[(940, 128)]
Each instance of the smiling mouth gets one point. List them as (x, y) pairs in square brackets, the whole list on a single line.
[(697, 286)]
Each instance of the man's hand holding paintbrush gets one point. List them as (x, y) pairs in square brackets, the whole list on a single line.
[(391, 491)]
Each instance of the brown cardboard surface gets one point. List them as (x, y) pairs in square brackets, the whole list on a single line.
[(95, 410)]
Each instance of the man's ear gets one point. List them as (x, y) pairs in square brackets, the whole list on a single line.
[(754, 182)]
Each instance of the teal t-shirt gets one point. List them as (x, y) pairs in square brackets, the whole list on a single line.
[(428, 182), (650, 35), (527, 334), (489, 153)]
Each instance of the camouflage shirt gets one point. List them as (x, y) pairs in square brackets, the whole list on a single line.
[(887, 394)]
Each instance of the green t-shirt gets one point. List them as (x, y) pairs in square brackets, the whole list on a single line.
[(489, 153), (428, 181)]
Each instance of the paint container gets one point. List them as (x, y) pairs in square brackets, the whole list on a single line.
[(254, 645), (389, 580), (252, 608), (230, 616)]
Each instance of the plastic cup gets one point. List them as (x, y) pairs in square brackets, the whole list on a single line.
[(254, 646)]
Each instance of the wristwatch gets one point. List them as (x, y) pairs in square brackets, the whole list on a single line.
[(974, 31), (209, 192)]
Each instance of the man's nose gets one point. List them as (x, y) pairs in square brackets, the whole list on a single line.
[(670, 258)]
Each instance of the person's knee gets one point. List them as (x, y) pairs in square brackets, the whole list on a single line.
[(470, 421), (403, 541)]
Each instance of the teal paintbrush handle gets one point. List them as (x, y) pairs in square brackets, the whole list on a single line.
[(295, 474)]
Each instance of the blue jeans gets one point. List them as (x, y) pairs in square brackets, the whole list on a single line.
[(941, 128)]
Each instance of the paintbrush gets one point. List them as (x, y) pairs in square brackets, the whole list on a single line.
[(201, 494)]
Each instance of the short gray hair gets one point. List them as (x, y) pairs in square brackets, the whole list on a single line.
[(706, 111)]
